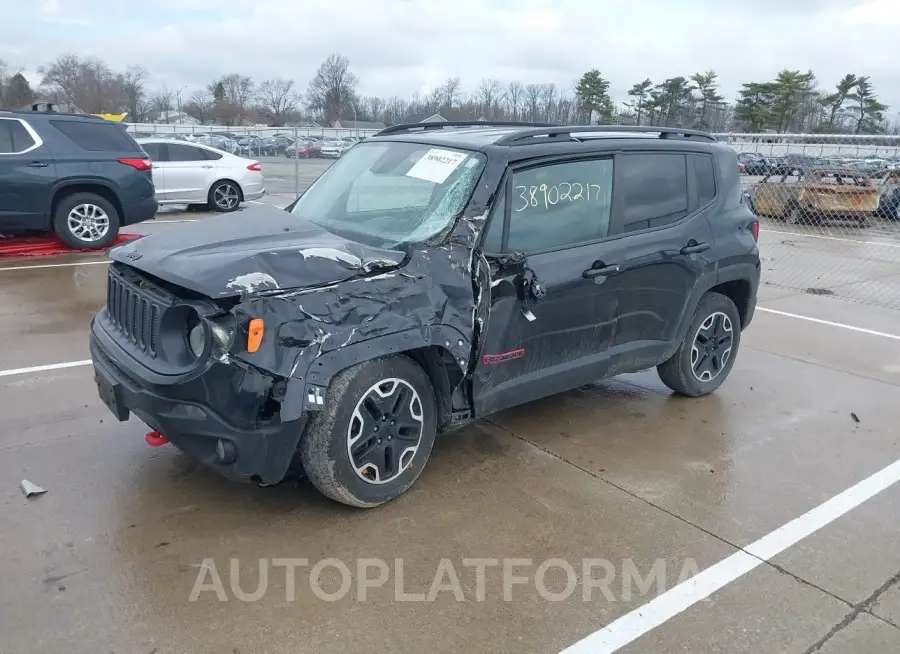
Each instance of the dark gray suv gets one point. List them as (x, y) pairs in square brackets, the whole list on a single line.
[(81, 177), (434, 275)]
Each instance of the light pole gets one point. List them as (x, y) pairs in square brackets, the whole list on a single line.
[(178, 102)]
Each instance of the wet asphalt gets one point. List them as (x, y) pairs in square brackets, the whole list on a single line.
[(621, 471)]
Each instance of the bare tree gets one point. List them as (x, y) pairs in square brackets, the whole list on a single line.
[(548, 100), (232, 94), (135, 95), (450, 93), (278, 99), (395, 110), (200, 106), (514, 94), (489, 94), (88, 84), (332, 89), (375, 106), (161, 103), (532, 100)]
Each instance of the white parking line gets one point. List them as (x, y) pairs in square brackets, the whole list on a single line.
[(833, 238), (49, 366), (663, 608), (861, 330)]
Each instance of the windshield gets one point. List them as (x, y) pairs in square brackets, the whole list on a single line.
[(388, 193)]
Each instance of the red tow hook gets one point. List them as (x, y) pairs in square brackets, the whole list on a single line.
[(155, 439)]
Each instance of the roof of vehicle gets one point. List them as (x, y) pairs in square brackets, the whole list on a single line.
[(527, 140), (168, 141), (50, 114)]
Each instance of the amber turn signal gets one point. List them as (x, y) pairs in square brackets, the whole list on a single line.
[(255, 335)]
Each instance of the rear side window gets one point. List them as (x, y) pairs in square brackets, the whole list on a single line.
[(178, 152), (14, 137), (706, 178), (210, 155), (153, 150), (97, 137), (654, 189)]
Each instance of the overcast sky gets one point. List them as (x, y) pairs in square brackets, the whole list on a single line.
[(402, 46)]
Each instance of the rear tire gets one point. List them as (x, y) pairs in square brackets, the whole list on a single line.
[(224, 196), (86, 221), (706, 355), (373, 437)]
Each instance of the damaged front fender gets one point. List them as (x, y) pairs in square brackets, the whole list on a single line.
[(311, 335)]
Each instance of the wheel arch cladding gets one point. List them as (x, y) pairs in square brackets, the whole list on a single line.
[(96, 188), (425, 308)]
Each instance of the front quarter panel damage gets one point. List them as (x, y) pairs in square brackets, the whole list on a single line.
[(312, 334)]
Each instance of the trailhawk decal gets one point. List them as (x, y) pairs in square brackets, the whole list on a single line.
[(503, 357)]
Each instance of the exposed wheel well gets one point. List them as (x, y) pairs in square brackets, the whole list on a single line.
[(445, 375), (97, 189), (738, 291)]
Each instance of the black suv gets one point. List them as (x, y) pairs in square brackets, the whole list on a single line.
[(81, 177), (432, 276)]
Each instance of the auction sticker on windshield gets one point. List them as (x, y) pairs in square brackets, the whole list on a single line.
[(436, 165)]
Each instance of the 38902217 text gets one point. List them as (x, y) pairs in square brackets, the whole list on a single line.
[(550, 195)]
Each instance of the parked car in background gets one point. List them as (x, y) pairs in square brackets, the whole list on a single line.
[(200, 176), (303, 148), (792, 164), (889, 195), (756, 164), (817, 193), (81, 177), (332, 148), (216, 141)]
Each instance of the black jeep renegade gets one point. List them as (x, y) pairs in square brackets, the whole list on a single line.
[(433, 275)]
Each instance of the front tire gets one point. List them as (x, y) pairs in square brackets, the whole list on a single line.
[(706, 355), (372, 439), (86, 221)]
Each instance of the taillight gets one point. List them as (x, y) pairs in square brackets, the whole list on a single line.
[(754, 229), (255, 167), (137, 164)]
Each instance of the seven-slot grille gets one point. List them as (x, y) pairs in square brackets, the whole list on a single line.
[(134, 314)]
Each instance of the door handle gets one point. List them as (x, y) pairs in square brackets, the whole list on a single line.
[(606, 271), (38, 164), (693, 247)]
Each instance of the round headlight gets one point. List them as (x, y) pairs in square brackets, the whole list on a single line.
[(197, 339)]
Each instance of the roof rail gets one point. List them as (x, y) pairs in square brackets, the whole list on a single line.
[(564, 132), (410, 127)]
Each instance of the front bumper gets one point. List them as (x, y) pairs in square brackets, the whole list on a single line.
[(197, 414)]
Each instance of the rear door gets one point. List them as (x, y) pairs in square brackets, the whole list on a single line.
[(666, 198), (27, 176), (189, 174)]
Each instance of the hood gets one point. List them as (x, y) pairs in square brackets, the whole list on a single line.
[(257, 249)]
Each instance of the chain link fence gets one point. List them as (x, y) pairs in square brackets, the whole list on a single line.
[(829, 205), (830, 212)]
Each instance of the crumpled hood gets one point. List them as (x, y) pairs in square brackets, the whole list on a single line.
[(258, 249)]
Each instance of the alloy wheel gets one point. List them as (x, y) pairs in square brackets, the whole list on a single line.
[(88, 222), (711, 347), (226, 197), (385, 431)]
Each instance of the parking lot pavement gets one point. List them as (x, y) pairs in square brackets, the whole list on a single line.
[(621, 472)]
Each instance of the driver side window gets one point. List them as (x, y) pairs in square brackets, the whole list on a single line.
[(555, 206)]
